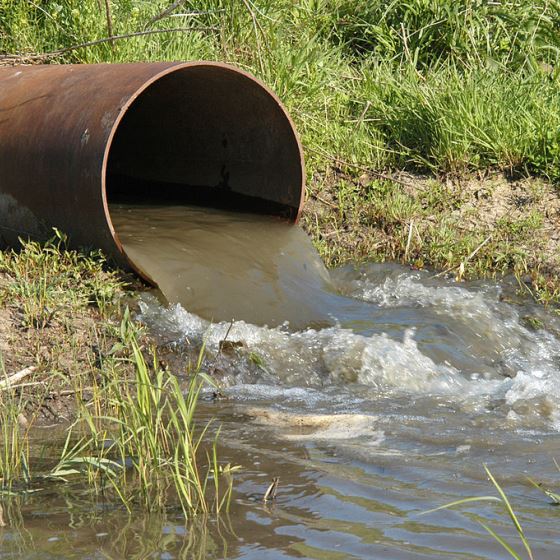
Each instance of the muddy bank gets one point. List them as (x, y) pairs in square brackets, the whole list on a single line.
[(485, 225), (59, 328), (51, 366)]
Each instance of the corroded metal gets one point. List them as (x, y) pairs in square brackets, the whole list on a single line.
[(73, 137)]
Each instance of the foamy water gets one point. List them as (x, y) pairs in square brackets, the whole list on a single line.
[(464, 345), (374, 393)]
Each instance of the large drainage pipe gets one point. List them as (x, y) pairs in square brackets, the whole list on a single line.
[(75, 138)]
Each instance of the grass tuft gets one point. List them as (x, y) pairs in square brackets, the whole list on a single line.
[(503, 499), (138, 439), (132, 435)]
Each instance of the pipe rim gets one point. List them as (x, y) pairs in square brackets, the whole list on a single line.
[(136, 94)]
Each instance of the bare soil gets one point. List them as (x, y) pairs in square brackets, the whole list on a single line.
[(65, 354), (439, 223)]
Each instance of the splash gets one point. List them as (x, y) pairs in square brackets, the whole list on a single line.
[(427, 340), (339, 341)]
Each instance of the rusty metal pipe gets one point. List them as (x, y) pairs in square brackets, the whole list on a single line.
[(74, 138)]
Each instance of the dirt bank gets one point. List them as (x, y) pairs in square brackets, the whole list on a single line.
[(60, 328), (480, 226)]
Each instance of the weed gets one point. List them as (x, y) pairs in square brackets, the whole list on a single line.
[(134, 440), (14, 447), (134, 436), (444, 86), (553, 496), (502, 499), (43, 279), (141, 441)]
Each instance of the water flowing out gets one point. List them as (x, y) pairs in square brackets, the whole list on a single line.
[(375, 392), (228, 265)]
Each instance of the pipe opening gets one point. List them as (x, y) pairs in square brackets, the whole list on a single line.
[(210, 135)]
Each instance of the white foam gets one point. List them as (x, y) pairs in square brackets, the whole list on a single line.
[(297, 366), (317, 358)]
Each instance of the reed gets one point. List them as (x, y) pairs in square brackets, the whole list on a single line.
[(134, 437), (501, 499), (14, 446), (138, 441)]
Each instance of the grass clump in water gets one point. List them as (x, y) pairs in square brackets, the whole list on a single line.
[(14, 446), (502, 499), (135, 441), (87, 365), (56, 308), (138, 439)]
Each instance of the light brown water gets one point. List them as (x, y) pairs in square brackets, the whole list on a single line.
[(227, 265), (389, 405)]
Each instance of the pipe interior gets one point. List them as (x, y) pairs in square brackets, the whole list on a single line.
[(206, 135)]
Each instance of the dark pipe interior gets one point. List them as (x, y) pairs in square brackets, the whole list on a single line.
[(206, 135)]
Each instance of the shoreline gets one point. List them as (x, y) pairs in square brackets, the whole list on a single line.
[(483, 226), (63, 309)]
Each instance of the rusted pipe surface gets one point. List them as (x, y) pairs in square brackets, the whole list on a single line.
[(72, 137)]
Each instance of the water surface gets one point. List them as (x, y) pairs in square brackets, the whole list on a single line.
[(228, 265), (374, 394)]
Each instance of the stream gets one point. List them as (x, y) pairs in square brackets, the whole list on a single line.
[(374, 393)]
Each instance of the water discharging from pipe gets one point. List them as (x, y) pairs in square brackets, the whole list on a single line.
[(389, 405), (225, 265)]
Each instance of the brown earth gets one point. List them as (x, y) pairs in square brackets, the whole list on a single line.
[(64, 355), (490, 224)]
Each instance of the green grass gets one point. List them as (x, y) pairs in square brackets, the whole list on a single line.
[(14, 446), (134, 441), (46, 280), (505, 502), (131, 431), (427, 32), (137, 439), (456, 120), (441, 88), (48, 294)]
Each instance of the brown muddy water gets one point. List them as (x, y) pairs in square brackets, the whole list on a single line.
[(382, 399), (228, 265)]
